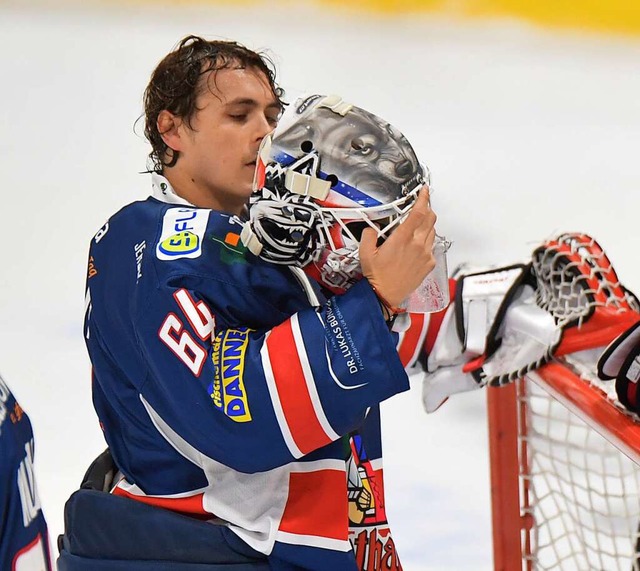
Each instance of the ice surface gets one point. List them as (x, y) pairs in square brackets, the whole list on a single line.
[(526, 133)]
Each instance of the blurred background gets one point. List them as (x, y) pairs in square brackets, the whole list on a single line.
[(527, 114)]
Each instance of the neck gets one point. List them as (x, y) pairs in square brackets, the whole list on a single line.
[(187, 188)]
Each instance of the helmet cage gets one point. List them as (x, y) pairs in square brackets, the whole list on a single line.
[(336, 254)]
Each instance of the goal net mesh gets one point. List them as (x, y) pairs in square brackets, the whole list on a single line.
[(582, 493)]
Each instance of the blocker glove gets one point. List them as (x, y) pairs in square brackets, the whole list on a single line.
[(505, 322)]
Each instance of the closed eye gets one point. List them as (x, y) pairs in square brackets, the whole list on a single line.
[(272, 121)]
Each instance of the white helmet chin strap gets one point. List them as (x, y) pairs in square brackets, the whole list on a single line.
[(304, 184)]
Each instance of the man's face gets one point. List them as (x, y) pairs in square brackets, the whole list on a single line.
[(236, 109)]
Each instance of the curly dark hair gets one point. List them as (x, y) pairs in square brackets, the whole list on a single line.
[(176, 83)]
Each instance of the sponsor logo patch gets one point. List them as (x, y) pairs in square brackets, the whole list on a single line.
[(308, 101), (227, 390), (179, 244), (139, 252), (341, 340), (232, 250), (182, 232)]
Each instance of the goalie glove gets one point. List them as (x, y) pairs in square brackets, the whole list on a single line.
[(621, 361), (468, 350), (506, 322)]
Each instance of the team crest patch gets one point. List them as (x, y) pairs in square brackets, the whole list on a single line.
[(227, 390), (182, 233)]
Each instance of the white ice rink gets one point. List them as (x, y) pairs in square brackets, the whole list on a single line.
[(527, 132)]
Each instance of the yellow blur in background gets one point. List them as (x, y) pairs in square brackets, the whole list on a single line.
[(603, 16)]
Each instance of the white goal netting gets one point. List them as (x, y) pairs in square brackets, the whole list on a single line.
[(579, 490), (565, 454)]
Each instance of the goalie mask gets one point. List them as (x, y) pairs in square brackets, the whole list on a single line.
[(329, 170)]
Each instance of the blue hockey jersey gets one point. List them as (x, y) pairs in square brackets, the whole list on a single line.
[(229, 390), (24, 544)]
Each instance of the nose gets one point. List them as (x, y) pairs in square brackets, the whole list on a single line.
[(263, 128), (403, 168)]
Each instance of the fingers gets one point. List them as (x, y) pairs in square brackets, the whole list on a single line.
[(421, 219), (422, 207), (368, 240), (422, 202), (368, 247)]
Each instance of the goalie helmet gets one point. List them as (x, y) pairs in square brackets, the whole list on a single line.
[(329, 170)]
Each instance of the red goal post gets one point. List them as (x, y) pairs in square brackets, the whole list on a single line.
[(565, 472)]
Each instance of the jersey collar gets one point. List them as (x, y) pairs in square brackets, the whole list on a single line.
[(163, 191)]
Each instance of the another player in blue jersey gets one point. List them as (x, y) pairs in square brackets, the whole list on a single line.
[(239, 398), (24, 543)]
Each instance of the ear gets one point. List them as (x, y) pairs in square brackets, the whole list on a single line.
[(169, 129)]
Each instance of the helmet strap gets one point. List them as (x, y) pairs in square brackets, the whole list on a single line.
[(306, 185)]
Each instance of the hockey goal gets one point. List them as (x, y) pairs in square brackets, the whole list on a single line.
[(565, 472)]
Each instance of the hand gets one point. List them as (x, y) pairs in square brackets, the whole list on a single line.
[(400, 265)]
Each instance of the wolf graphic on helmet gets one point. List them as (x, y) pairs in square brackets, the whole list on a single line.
[(359, 149)]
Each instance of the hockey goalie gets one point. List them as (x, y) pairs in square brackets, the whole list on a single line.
[(298, 394)]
